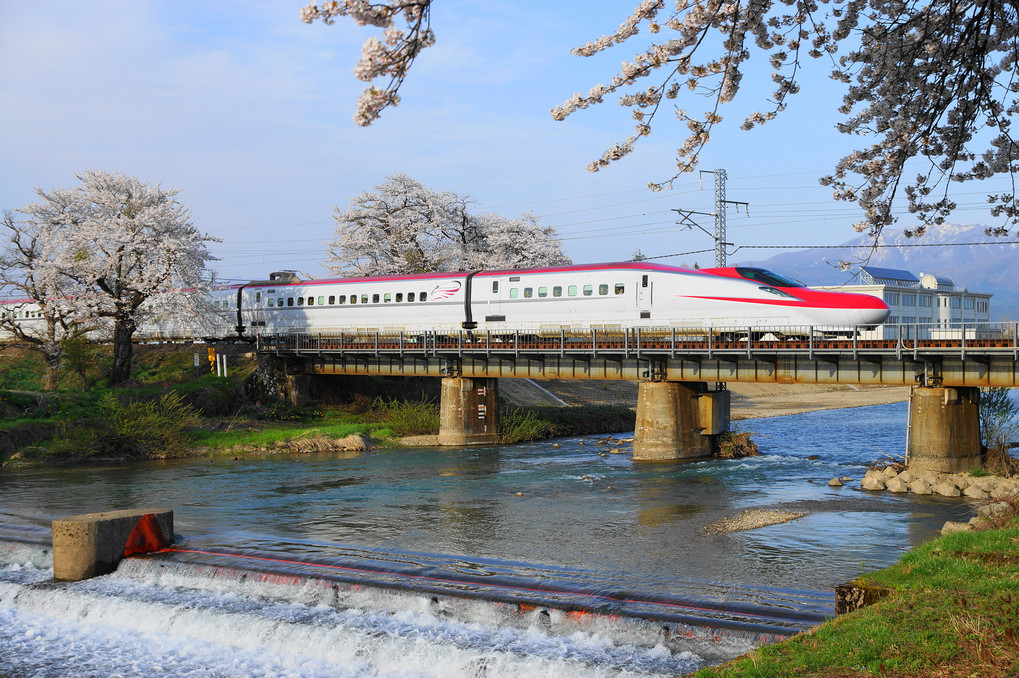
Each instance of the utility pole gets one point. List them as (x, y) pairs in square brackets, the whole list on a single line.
[(719, 214)]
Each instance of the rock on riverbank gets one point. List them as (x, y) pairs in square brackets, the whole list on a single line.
[(891, 479)]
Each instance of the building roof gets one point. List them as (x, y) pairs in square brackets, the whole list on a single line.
[(896, 274)]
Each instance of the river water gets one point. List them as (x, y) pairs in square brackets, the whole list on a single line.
[(501, 561)]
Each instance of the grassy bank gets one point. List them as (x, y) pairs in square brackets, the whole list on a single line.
[(952, 609), (171, 408)]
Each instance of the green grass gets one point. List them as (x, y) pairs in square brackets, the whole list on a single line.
[(953, 611), (266, 438)]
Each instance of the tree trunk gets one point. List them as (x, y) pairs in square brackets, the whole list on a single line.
[(123, 330), (51, 378)]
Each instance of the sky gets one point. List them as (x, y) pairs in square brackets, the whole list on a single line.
[(248, 111)]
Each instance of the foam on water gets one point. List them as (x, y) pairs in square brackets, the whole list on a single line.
[(149, 618)]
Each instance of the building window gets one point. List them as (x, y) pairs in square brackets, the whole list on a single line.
[(955, 302), (892, 320), (892, 298), (925, 300), (967, 302), (909, 300)]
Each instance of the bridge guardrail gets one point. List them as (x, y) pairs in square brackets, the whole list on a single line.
[(914, 340)]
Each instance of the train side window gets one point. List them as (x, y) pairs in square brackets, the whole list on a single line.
[(620, 288), (290, 301), (588, 290), (332, 299), (271, 302), (422, 296), (572, 290), (643, 280), (342, 299), (528, 293), (399, 297), (353, 298), (279, 302), (311, 301), (364, 298), (258, 297), (495, 287), (410, 296), (603, 289), (557, 291), (387, 297), (542, 291), (375, 298), (322, 301), (514, 292)]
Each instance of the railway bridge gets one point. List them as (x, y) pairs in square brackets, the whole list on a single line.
[(682, 401)]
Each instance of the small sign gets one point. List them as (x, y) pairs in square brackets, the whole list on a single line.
[(197, 362), (482, 411)]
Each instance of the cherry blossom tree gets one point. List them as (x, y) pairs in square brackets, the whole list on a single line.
[(40, 313), (931, 86), (402, 227), (129, 250)]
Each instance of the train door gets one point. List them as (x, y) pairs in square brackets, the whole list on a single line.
[(494, 312), (644, 296)]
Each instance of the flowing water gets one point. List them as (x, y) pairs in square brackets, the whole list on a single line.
[(501, 561)]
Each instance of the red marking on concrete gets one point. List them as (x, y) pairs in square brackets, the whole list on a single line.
[(146, 537)]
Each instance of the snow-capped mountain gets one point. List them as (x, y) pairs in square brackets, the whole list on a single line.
[(989, 265)]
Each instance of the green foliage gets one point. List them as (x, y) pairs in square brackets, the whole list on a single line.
[(520, 424), (154, 428), (405, 418), (83, 360), (998, 414), (22, 371), (284, 412)]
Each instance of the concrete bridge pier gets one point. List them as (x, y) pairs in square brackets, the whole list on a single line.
[(944, 428), (468, 413), (678, 420)]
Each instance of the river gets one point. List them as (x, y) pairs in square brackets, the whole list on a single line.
[(500, 561)]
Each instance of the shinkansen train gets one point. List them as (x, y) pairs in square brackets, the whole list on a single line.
[(580, 297)]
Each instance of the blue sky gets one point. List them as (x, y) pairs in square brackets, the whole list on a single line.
[(248, 111)]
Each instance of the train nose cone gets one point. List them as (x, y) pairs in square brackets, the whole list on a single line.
[(873, 311)]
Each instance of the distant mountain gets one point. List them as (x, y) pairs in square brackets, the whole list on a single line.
[(989, 266)]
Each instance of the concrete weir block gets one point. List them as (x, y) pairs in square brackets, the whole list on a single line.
[(93, 544)]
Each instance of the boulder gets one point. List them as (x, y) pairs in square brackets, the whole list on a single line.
[(872, 483), (950, 527), (961, 482), (834, 482), (987, 483), (994, 511), (907, 476), (846, 479), (896, 485), (1006, 488), (920, 486), (890, 472), (974, 492), (946, 489)]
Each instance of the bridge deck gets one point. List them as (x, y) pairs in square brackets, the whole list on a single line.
[(975, 356)]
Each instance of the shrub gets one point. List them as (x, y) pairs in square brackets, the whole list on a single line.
[(518, 424), (406, 418)]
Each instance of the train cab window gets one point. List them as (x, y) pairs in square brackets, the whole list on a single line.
[(572, 290), (542, 291), (300, 301), (290, 301), (258, 297), (332, 300), (399, 297), (364, 298), (271, 300), (514, 292), (387, 297), (410, 296), (620, 288), (588, 290), (603, 290), (557, 291), (322, 301), (311, 301), (375, 298), (528, 292)]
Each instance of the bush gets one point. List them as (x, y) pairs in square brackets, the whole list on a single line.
[(406, 418), (520, 424)]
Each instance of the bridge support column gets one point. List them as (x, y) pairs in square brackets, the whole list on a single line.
[(678, 420), (944, 429), (468, 412)]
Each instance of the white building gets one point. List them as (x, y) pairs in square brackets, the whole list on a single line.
[(928, 306)]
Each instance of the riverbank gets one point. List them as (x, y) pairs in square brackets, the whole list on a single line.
[(948, 608)]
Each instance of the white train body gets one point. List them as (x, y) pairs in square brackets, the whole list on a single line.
[(581, 297)]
